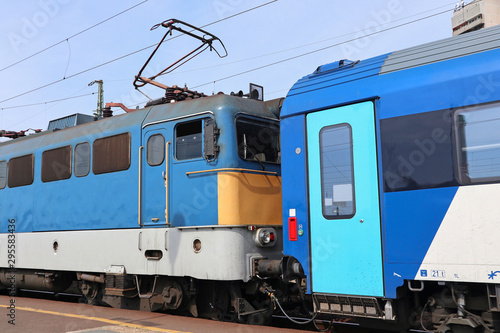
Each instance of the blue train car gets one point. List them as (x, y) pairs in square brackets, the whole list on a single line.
[(169, 207), (391, 181)]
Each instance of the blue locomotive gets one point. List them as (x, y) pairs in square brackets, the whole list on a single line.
[(167, 207), (391, 171), (175, 206)]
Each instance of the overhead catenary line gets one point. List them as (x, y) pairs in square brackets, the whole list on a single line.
[(69, 58), (128, 54), (315, 51), (254, 69), (49, 107), (317, 42), (285, 50), (47, 102), (66, 39), (300, 46)]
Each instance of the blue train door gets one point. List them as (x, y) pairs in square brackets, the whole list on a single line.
[(346, 249), (153, 165)]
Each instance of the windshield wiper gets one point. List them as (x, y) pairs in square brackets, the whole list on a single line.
[(245, 147), (256, 158)]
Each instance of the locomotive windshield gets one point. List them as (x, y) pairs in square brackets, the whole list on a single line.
[(258, 140)]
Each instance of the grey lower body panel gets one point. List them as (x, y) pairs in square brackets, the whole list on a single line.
[(219, 253)]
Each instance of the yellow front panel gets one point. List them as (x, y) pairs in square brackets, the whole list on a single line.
[(247, 198)]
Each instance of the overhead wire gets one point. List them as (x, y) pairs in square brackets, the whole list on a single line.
[(128, 54), (314, 51), (300, 46), (69, 59), (317, 50), (46, 109), (244, 72), (47, 102), (66, 39)]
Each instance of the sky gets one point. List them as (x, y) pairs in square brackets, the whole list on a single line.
[(312, 33)]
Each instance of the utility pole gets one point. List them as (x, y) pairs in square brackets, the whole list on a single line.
[(100, 98)]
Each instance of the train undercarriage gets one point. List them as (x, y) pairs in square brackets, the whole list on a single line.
[(448, 307), (433, 306), (235, 301), (442, 307)]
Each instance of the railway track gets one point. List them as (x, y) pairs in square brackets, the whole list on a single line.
[(279, 321)]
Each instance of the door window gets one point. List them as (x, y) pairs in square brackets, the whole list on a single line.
[(337, 172), (156, 149)]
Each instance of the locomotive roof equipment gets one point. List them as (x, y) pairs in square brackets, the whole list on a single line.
[(207, 42)]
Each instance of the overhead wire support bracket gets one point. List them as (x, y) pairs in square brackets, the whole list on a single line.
[(207, 42)]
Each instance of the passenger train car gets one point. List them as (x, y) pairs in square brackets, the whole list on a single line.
[(167, 207), (391, 172)]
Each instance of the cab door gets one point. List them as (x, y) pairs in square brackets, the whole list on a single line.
[(154, 170), (346, 245)]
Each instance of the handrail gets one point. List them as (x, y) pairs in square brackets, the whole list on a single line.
[(166, 183), (140, 183), (232, 169)]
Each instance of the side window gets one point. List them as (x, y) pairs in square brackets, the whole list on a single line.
[(56, 164), (478, 141), (82, 159), (3, 174), (111, 154), (155, 149), (337, 172), (417, 151), (188, 140), (21, 171)]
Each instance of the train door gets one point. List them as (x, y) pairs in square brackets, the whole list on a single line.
[(346, 249), (194, 185), (154, 170)]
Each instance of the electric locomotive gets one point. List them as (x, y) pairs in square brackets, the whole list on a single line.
[(391, 172), (175, 206), (168, 207)]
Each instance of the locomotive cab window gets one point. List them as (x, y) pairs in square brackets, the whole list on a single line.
[(337, 172), (111, 154), (3, 174), (156, 149), (56, 164), (258, 140), (188, 140), (82, 159), (478, 143), (21, 171)]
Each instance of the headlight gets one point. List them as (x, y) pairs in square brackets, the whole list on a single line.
[(265, 237)]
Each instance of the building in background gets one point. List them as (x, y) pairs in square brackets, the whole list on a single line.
[(475, 15)]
